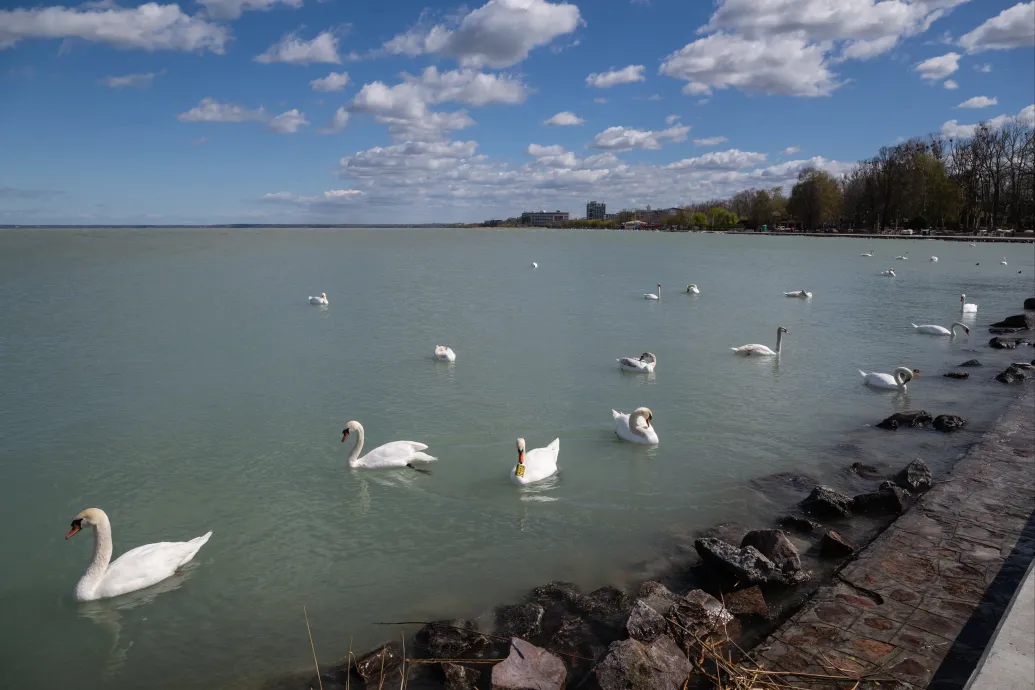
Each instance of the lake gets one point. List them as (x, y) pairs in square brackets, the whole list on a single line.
[(178, 379)]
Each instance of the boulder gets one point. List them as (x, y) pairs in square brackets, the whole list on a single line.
[(915, 477), (452, 639), (888, 499), (519, 620), (911, 418), (774, 545), (865, 471), (633, 665), (696, 616), (647, 618), (376, 666), (971, 363), (460, 677), (1017, 321), (949, 422), (833, 545), (824, 502), (528, 667), (555, 592), (1000, 343), (1029, 304), (956, 375), (747, 602), (574, 636), (745, 566), (607, 605), (1011, 375), (798, 524)]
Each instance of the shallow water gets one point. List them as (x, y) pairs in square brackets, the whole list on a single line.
[(178, 380)]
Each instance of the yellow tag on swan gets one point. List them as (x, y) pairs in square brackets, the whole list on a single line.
[(519, 471)]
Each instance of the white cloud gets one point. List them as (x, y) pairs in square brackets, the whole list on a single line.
[(954, 130), (984, 68), (148, 27), (937, 68), (979, 102), (600, 100), (210, 110), (288, 122), (626, 75), (671, 120), (552, 156), (1011, 28), (467, 86), (779, 65), (626, 138), (335, 81), (232, 9), (864, 50), (199, 141), (337, 123), (136, 81), (564, 119), (950, 84), (791, 150), (734, 159), (327, 200), (297, 51), (710, 141), (501, 33)]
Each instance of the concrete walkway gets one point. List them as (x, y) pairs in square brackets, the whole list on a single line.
[(1009, 662)]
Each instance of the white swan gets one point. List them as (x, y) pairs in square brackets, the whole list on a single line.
[(931, 329), (762, 350), (898, 381), (934, 259), (890, 272), (393, 454), (629, 428), (652, 295), (535, 265), (802, 294), (537, 464), (1003, 262), (136, 569), (902, 258), (445, 353), (966, 307), (691, 289), (870, 254), (321, 300), (643, 365)]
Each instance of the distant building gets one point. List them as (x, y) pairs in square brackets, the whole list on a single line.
[(596, 210), (610, 216), (492, 223), (542, 219)]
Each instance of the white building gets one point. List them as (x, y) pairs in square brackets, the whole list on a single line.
[(541, 219)]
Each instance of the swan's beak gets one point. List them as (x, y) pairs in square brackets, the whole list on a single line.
[(76, 526), (521, 457), (344, 435), (648, 420)]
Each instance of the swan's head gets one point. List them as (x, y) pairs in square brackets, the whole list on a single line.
[(963, 298), (648, 357), (645, 413), (781, 329), (323, 295), (521, 450), (87, 518), (349, 428)]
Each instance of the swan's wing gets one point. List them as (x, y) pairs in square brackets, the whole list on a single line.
[(632, 363), (619, 415), (753, 348), (395, 453), (146, 565)]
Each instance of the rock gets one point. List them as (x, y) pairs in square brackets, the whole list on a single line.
[(1029, 304), (633, 665), (865, 471), (607, 605), (1011, 375), (911, 418), (971, 363), (888, 499), (774, 545), (747, 602), (653, 588), (452, 639), (645, 622), (1007, 343), (556, 592), (956, 375), (528, 667), (1002, 330), (949, 422), (460, 677), (574, 636), (824, 502), (798, 524), (833, 545), (781, 481), (696, 615), (1017, 321), (519, 620), (378, 664), (915, 477), (746, 566), (732, 532)]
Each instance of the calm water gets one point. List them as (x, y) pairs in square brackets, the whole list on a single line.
[(178, 380)]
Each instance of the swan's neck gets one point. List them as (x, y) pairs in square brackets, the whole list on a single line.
[(101, 558), (634, 423), (357, 448), (956, 325), (779, 340), (900, 379)]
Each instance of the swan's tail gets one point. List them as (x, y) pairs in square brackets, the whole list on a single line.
[(195, 546), (914, 325), (615, 413), (555, 445), (423, 457), (862, 373)]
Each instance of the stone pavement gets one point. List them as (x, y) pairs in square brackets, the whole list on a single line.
[(917, 607), (1009, 662)]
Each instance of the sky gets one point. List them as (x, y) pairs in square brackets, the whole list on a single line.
[(367, 111)]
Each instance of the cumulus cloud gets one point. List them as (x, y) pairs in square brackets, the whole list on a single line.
[(136, 81), (954, 130), (937, 68), (979, 102), (564, 119), (950, 84), (1011, 28), (983, 67), (211, 110), (335, 81), (295, 50), (710, 141), (791, 150), (148, 27), (734, 159), (288, 122), (337, 123), (626, 75), (627, 138), (232, 9), (327, 202), (671, 119)]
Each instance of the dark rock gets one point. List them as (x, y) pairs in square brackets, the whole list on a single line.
[(915, 477), (607, 605), (732, 532), (1007, 343), (888, 499), (956, 375), (911, 418), (971, 363), (574, 636), (460, 677), (824, 502), (1029, 304), (865, 471), (519, 620), (378, 664), (1011, 375), (1017, 321), (1002, 330), (528, 667), (949, 422), (653, 588), (782, 481), (696, 615), (774, 545), (645, 622), (556, 592), (747, 602), (746, 566), (833, 545), (452, 639), (633, 665), (798, 524)]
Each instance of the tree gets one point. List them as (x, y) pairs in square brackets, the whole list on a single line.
[(699, 219), (719, 216), (816, 198)]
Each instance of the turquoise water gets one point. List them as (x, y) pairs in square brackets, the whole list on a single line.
[(179, 380)]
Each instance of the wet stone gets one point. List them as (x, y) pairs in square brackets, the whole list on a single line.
[(528, 667), (645, 622), (380, 662), (833, 545), (825, 502), (774, 545), (956, 374), (1011, 375), (799, 524), (696, 613), (460, 677), (555, 592), (747, 602), (865, 471), (971, 363), (915, 477), (452, 639), (519, 620), (910, 418), (949, 422), (746, 566), (889, 499), (633, 665), (607, 605)]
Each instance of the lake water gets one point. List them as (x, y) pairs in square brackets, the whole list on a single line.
[(179, 380)]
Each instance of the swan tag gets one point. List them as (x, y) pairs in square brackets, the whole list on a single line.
[(519, 471)]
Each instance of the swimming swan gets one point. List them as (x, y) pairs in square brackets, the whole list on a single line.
[(890, 272), (445, 353), (535, 265), (870, 254), (644, 365), (393, 454), (537, 464), (803, 294), (136, 569), (1003, 262), (629, 428), (965, 307), (321, 300), (901, 377), (691, 289), (762, 350), (652, 295), (934, 259), (931, 329)]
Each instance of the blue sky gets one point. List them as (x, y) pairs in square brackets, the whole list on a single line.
[(280, 111)]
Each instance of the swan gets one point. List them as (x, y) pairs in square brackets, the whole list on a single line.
[(628, 426), (870, 254), (890, 273), (691, 289), (1003, 262), (762, 350), (803, 294), (653, 296), (393, 454), (901, 377), (973, 244), (136, 569), (643, 365), (940, 330), (934, 259), (445, 353), (902, 258), (321, 300), (535, 265), (537, 464), (965, 307)]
